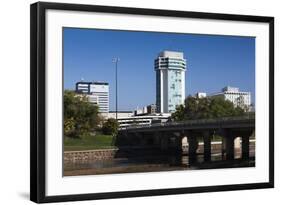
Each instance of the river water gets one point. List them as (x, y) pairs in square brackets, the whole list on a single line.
[(157, 163)]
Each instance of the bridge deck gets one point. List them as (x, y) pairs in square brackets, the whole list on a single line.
[(227, 122)]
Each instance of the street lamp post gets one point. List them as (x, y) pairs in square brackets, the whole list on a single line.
[(116, 60)]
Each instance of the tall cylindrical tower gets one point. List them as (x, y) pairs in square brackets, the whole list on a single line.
[(170, 67)]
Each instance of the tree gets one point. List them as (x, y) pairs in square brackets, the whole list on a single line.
[(224, 108), (110, 127), (206, 108), (80, 116), (179, 115), (69, 126)]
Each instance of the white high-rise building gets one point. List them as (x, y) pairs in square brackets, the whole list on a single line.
[(201, 95), (170, 67), (238, 98), (97, 93)]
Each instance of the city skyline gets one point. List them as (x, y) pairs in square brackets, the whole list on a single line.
[(213, 62)]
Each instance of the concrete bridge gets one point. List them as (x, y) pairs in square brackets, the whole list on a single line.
[(170, 136)]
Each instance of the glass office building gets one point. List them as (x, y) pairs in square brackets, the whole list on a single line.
[(170, 67)]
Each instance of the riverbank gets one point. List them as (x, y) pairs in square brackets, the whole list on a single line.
[(122, 169), (89, 142)]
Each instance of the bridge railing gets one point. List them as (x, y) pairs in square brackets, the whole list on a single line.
[(194, 122)]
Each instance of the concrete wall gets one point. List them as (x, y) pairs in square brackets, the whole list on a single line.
[(88, 155)]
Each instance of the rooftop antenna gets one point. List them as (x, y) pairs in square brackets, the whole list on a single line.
[(82, 79)]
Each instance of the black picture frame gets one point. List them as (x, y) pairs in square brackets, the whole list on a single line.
[(38, 101)]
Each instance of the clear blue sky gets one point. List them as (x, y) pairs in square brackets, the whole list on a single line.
[(212, 62)]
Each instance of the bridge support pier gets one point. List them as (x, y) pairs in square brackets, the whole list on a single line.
[(192, 147), (229, 145), (157, 139), (142, 139), (179, 144), (245, 147), (207, 146), (164, 142)]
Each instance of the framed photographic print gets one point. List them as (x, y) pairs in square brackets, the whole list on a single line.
[(129, 102)]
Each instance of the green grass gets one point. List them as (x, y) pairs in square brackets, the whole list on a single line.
[(89, 142)]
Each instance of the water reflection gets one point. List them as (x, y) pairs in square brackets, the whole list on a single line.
[(157, 163)]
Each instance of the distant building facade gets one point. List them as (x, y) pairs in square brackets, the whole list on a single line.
[(238, 98), (201, 95), (146, 110), (97, 93), (151, 109), (143, 120), (120, 114), (128, 118), (170, 67)]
